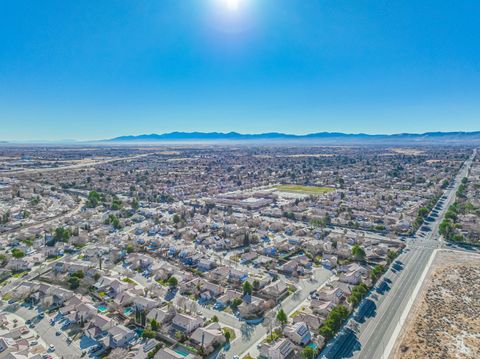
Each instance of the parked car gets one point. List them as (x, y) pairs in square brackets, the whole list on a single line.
[(95, 348)]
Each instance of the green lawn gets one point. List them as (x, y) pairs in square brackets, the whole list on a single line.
[(303, 189), (232, 333), (297, 312), (20, 274), (128, 280), (273, 336)]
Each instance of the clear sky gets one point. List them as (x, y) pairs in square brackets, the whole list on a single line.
[(81, 69)]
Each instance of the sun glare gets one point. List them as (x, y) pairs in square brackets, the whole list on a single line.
[(232, 4)]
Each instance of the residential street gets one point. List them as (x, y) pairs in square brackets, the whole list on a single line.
[(252, 335)]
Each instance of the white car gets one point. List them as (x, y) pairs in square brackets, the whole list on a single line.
[(51, 348)]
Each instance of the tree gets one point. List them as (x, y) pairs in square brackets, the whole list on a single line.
[(93, 199), (3, 260), (391, 254), (17, 253), (116, 203), (358, 292), (377, 271), (176, 218), (451, 215), (327, 220), (282, 317), (129, 248), (308, 353), (179, 335), (227, 335), (446, 229), (62, 234), (154, 324), (149, 333), (268, 322), (79, 274), (114, 221), (135, 204), (247, 288), (326, 331), (172, 282), (315, 222), (74, 282), (5, 217), (214, 319), (334, 321), (358, 252), (236, 302), (423, 212)]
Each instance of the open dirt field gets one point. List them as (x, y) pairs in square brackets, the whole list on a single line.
[(445, 320), (407, 151)]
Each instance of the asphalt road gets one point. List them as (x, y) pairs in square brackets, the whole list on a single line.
[(43, 223), (378, 316), (377, 332), (73, 166)]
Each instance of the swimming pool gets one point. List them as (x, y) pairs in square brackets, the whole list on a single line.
[(179, 349), (102, 308), (127, 311)]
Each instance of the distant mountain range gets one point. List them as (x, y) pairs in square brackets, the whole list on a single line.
[(320, 137)]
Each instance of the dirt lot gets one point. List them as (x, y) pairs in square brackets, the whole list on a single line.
[(445, 320), (407, 151)]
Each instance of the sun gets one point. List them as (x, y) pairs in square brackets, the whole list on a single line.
[(232, 5)]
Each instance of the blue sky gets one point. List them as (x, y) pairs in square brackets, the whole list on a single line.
[(86, 69)]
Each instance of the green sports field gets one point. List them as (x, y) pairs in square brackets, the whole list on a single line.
[(303, 189)]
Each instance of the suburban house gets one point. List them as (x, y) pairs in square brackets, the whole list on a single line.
[(275, 290), (226, 299), (209, 337), (99, 325), (321, 307), (330, 294), (186, 323), (161, 315), (142, 303), (119, 336), (280, 349), (298, 333), (251, 307), (312, 321)]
